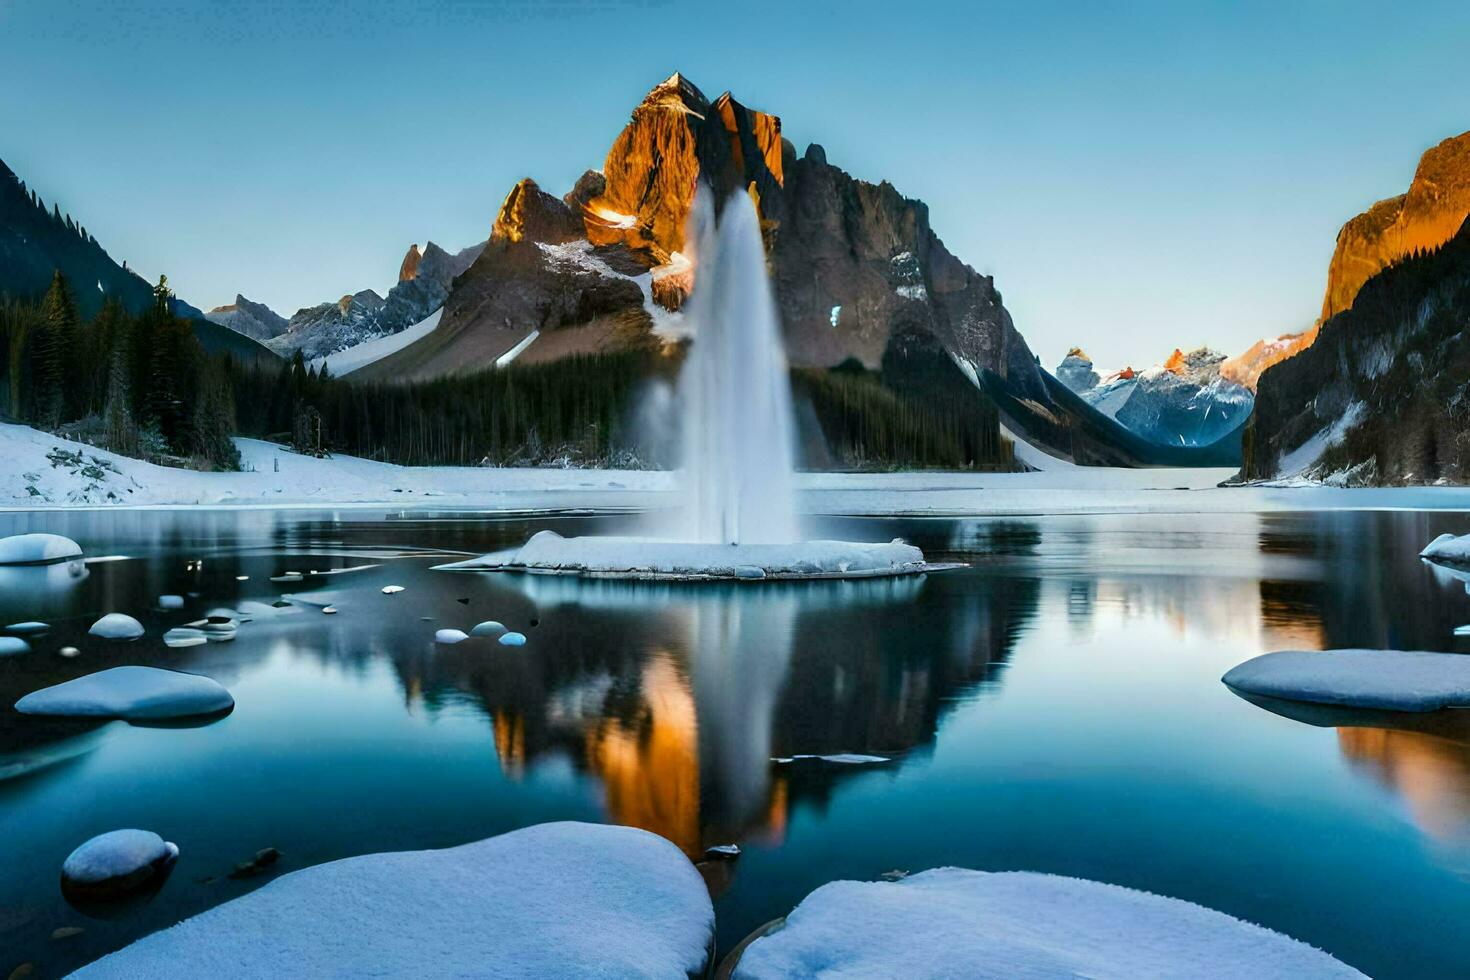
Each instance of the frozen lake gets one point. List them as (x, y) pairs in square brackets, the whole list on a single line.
[(1055, 707)]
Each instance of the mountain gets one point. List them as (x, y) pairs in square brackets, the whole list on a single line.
[(1422, 219), (35, 242), (424, 278), (1425, 217), (859, 273), (1382, 396), (254, 320), (1182, 402)]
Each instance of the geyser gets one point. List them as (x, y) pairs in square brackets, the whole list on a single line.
[(735, 390), (738, 519)]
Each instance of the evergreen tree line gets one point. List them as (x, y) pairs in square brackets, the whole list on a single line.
[(575, 410), (867, 424), (142, 386), (138, 385)]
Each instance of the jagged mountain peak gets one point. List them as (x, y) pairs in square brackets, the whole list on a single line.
[(410, 267)]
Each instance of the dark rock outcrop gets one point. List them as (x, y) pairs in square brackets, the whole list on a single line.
[(254, 320)]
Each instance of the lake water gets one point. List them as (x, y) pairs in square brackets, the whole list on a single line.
[(1054, 707)]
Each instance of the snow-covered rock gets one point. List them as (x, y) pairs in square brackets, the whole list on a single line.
[(651, 558), (450, 636), (113, 864), (952, 922), (512, 639), (1448, 548), (27, 628), (554, 900), (1391, 680), (11, 645), (133, 693), (37, 549), (488, 628), (117, 626)]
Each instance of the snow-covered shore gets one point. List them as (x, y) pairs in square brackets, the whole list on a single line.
[(36, 475)]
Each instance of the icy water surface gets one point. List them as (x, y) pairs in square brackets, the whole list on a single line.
[(1056, 707)]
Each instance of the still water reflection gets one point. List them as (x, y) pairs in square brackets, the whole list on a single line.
[(1056, 706)]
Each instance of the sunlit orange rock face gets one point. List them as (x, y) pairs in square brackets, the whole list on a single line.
[(1246, 369), (530, 214), (410, 268), (1425, 218), (675, 137)]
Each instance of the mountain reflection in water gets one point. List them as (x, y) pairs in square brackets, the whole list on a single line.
[(1056, 706)]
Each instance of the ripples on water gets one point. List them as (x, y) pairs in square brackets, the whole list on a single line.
[(1056, 707)]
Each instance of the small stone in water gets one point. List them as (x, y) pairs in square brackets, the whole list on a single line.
[(513, 640), (242, 578), (450, 636), (117, 626), (264, 858), (724, 852), (11, 645), (392, 589), (184, 636), (170, 602), (69, 652), (488, 628), (66, 932), (328, 610), (535, 622)]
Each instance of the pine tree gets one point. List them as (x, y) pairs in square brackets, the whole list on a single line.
[(62, 374), (122, 428)]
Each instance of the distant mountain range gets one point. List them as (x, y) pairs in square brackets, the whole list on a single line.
[(1183, 401), (424, 280), (35, 242)]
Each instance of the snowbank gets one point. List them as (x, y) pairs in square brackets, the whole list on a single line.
[(1449, 548), (650, 558), (1392, 680), (555, 900), (132, 693), (37, 549), (115, 863), (275, 477), (951, 922)]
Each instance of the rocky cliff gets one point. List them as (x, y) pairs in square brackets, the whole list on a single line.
[(254, 320), (1382, 396), (1424, 218)]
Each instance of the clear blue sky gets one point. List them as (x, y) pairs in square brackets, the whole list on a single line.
[(1136, 177)]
